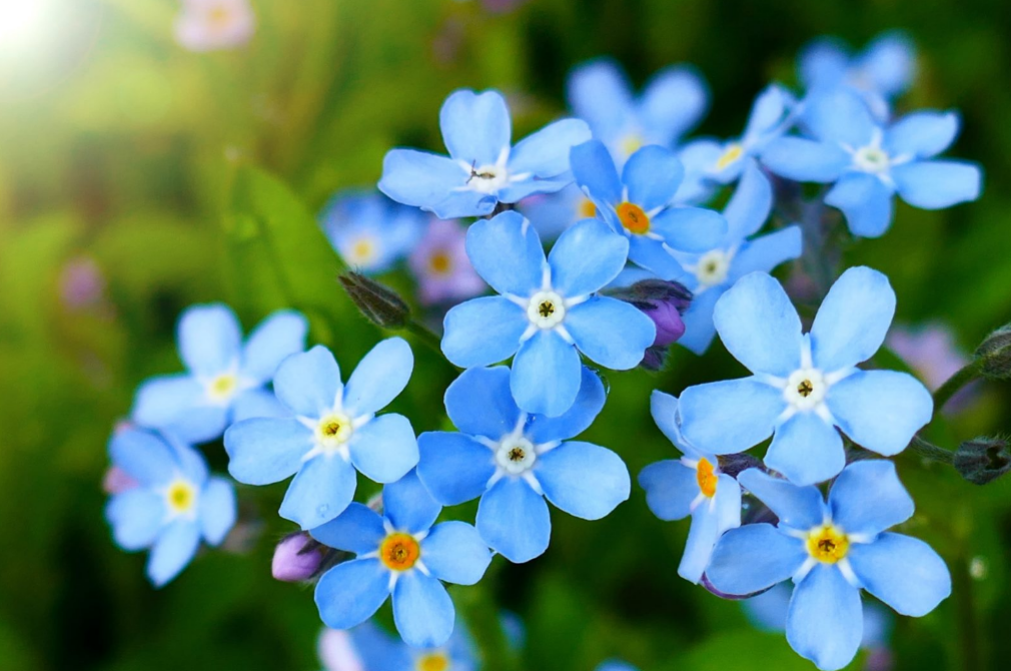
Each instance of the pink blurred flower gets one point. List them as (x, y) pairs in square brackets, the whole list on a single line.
[(337, 652), (117, 481), (206, 25), (931, 351), (441, 265), (82, 286)]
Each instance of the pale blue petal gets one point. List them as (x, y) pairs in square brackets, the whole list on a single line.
[(823, 62), (670, 488), (210, 339), (868, 498), (309, 383), (409, 506), (673, 101), (546, 374), (374, 648), (433, 183), (257, 403), (455, 467), (903, 572), (586, 257), (921, 134), (765, 253), (217, 510), (513, 519), (385, 449), (727, 503), (143, 455), (584, 480), (865, 200), (263, 451), (192, 465), (507, 253), (704, 531), (825, 620), (518, 190), (598, 92), (839, 115), (806, 449), (698, 320), (479, 403), (454, 552), (690, 229), (483, 331), (575, 420), (179, 404), (652, 176), (750, 205), (136, 516), (766, 113), (890, 61), (797, 507), (350, 593), (698, 156), (422, 610), (281, 334), (546, 153), (379, 377), (853, 320), (767, 611), (321, 490), (805, 160), (174, 549), (754, 557), (475, 126), (881, 409), (358, 529), (664, 409), (594, 171), (613, 333), (934, 185), (731, 415), (650, 254)]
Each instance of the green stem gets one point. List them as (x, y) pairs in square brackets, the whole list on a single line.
[(928, 450), (952, 386), (425, 335)]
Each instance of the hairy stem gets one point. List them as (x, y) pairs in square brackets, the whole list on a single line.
[(953, 385)]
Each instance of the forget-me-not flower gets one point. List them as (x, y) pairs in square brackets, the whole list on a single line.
[(831, 551), (548, 311), (174, 504), (514, 460), (482, 168), (440, 264), (692, 485), (804, 385), (615, 665), (371, 232), (401, 554), (225, 379), (552, 213), (372, 649), (332, 430), (869, 163), (638, 205)]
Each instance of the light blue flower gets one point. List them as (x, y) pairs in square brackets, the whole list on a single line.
[(671, 104), (514, 460), (225, 379), (832, 550), (638, 205), (376, 650), (710, 274), (331, 431), (869, 164), (692, 485), (173, 505), (371, 232), (482, 168), (401, 554), (804, 385), (552, 213), (615, 665), (548, 311)]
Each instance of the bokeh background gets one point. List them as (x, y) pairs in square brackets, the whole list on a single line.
[(125, 197)]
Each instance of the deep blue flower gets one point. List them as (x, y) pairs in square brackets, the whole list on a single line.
[(173, 504), (832, 550), (514, 460), (401, 554), (225, 379), (869, 163), (482, 168), (371, 232), (804, 385), (331, 431), (638, 205), (372, 649), (692, 485), (548, 311)]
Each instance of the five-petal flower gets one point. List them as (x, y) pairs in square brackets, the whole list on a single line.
[(369, 231)]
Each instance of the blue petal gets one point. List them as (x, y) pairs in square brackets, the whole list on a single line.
[(257, 403), (173, 550), (143, 455), (868, 498), (321, 490), (379, 377), (797, 507), (853, 319), (217, 510), (709, 521), (840, 116), (825, 620), (479, 403), (546, 153), (750, 205), (586, 257), (599, 92), (281, 334), (865, 200), (731, 415), (454, 552), (584, 480), (422, 610), (903, 572), (822, 62), (409, 506), (697, 157), (136, 516), (690, 229), (673, 101), (594, 171), (698, 320), (350, 593), (921, 134), (805, 160), (613, 333), (806, 449), (767, 611), (358, 529), (652, 176), (263, 451), (880, 409), (546, 374), (759, 325), (433, 183), (483, 331), (179, 404), (653, 255), (934, 185), (454, 467), (368, 646), (385, 448), (513, 519), (575, 420), (309, 383), (192, 465), (754, 557), (507, 253), (671, 487), (766, 113), (475, 126), (210, 339), (890, 62), (664, 409), (765, 253)]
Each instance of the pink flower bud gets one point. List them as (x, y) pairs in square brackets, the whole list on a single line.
[(296, 558)]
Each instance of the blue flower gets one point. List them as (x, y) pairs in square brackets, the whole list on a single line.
[(370, 232), (552, 213), (692, 485), (513, 461), (548, 311), (869, 163), (615, 665), (173, 505), (402, 554), (482, 169), (375, 650), (710, 274), (331, 431), (638, 205), (805, 385), (831, 551), (670, 105), (225, 378)]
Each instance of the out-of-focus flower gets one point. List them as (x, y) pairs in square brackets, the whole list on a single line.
[(374, 650), (332, 431), (225, 379), (117, 481), (82, 285), (552, 213), (338, 651), (207, 25), (439, 261), (615, 665), (513, 461), (930, 350), (173, 506), (482, 168), (296, 558), (369, 231)]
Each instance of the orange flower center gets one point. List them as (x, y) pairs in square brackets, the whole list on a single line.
[(433, 661), (587, 210), (400, 552), (706, 475), (440, 263), (633, 218)]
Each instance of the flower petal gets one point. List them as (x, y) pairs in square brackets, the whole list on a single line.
[(475, 126), (379, 377), (750, 205), (454, 552), (546, 374), (902, 571), (178, 403), (210, 339), (610, 332), (881, 409), (143, 455), (422, 610), (584, 480), (594, 172), (934, 185), (409, 506), (257, 403), (652, 176), (671, 487), (358, 529), (546, 153), (764, 253), (838, 115), (506, 251), (804, 160), (599, 92), (729, 416), (586, 257), (136, 516), (766, 113), (865, 200), (433, 183), (513, 519), (672, 102), (174, 549), (351, 592), (868, 498), (690, 229), (652, 255), (754, 557), (922, 134), (479, 403), (309, 382), (454, 467), (217, 510), (797, 507), (698, 320), (806, 449), (262, 451), (575, 420), (385, 448), (278, 336), (825, 620), (483, 331), (853, 320), (321, 490), (710, 520)]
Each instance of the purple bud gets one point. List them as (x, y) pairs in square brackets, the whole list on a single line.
[(669, 327), (296, 558), (664, 302)]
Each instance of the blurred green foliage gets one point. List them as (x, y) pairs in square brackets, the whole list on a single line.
[(195, 177)]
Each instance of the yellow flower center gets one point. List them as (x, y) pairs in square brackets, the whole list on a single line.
[(219, 17), (633, 218), (400, 552), (827, 544), (631, 143), (433, 661), (440, 263), (181, 496), (362, 251), (731, 154), (586, 209), (706, 475), (334, 430), (223, 386)]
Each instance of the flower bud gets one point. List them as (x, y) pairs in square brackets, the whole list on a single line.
[(994, 354), (983, 460), (664, 302), (296, 558), (669, 327), (380, 305)]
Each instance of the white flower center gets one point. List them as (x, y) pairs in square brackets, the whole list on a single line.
[(871, 159), (362, 251), (515, 455), (546, 309), (805, 388), (488, 178), (333, 431), (712, 268)]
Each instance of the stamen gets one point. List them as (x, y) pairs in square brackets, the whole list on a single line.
[(400, 552), (827, 544), (633, 218), (707, 478)]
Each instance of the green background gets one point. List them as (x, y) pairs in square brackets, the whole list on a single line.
[(121, 147)]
